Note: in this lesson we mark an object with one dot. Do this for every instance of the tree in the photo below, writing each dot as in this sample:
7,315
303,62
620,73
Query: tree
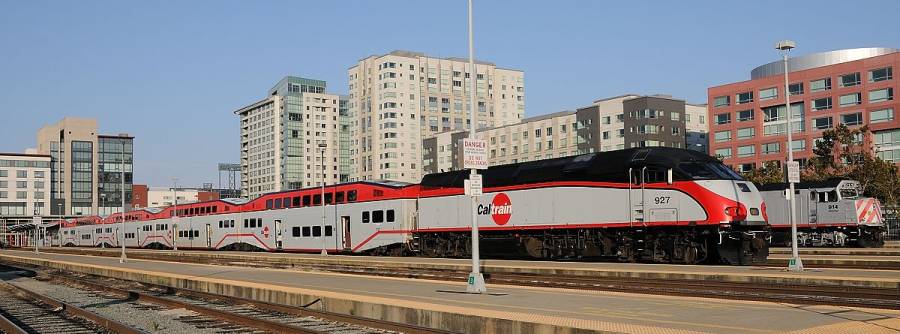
843,152
770,172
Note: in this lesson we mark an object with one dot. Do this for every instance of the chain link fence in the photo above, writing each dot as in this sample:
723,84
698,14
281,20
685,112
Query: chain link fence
892,222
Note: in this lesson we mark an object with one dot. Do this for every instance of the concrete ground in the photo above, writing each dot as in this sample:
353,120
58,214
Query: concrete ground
600,311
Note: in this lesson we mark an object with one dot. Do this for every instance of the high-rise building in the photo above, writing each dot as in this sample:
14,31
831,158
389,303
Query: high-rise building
285,136
400,98
854,87
87,168
608,124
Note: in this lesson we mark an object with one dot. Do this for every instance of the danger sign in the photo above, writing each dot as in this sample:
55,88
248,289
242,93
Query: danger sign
474,153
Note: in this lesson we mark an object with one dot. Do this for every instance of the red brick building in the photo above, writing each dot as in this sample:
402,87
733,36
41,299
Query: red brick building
140,196
853,87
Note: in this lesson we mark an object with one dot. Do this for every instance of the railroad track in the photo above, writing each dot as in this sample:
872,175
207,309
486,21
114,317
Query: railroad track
799,294
230,314
25,311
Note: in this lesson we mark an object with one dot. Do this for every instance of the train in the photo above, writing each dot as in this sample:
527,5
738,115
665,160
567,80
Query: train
829,213
653,204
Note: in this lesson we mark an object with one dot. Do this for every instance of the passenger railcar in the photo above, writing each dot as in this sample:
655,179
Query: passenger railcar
828,213
643,204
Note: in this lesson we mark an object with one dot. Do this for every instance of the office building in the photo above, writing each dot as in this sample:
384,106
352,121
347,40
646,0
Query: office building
285,135
608,124
400,98
86,167
854,87
24,185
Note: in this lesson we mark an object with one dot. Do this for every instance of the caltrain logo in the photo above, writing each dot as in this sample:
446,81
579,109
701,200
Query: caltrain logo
500,209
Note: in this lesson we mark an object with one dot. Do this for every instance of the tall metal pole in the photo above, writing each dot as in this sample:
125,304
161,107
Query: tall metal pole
123,258
322,147
175,212
795,264
476,279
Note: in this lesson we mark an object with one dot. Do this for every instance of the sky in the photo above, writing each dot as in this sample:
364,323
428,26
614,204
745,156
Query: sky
171,73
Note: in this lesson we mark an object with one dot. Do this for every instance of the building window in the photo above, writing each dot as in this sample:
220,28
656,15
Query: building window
822,123
725,153
849,80
798,145
721,101
852,119
745,115
881,74
768,94
746,151
21,174
721,136
746,133
880,95
770,148
675,116
850,99
821,104
723,118
745,97
820,85
796,89
881,115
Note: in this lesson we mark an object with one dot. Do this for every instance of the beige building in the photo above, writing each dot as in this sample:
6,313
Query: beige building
608,124
24,185
400,98
87,168
281,137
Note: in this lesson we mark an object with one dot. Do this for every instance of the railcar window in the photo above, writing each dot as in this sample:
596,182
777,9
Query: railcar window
278,203
296,202
317,231
328,198
832,196
390,216
268,204
351,196
246,223
377,193
339,197
317,199
306,200
101,230
108,230
215,209
378,216
306,231
365,217
329,231
287,202
295,231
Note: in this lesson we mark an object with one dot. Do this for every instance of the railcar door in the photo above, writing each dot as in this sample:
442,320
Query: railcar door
279,237
208,236
345,222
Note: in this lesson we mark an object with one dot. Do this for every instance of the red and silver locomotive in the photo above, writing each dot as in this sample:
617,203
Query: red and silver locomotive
643,204
828,213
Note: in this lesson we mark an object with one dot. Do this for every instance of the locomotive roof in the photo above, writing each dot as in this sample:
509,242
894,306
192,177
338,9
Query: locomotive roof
607,166
828,183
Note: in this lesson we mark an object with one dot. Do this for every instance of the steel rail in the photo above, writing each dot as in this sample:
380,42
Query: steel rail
75,311
7,326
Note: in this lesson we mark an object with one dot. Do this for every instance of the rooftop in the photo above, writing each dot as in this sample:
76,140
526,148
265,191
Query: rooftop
818,60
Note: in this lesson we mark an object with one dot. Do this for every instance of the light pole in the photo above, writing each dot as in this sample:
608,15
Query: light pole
175,212
123,258
102,205
322,147
36,221
476,279
794,264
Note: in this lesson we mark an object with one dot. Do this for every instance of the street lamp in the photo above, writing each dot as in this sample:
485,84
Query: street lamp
795,264
476,279
102,206
123,258
175,213
322,147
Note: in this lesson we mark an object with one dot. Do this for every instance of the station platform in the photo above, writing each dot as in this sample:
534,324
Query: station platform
506,309
882,279
886,251
885,262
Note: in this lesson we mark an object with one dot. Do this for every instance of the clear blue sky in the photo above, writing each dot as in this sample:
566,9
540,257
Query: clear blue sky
172,72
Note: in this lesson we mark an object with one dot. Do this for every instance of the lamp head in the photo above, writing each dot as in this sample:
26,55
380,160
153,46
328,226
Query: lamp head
785,45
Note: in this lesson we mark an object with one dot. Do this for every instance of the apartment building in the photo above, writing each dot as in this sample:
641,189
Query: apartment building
24,185
87,168
400,98
608,124
288,137
854,87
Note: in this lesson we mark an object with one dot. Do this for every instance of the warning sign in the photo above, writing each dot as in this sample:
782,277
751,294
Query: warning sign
474,153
